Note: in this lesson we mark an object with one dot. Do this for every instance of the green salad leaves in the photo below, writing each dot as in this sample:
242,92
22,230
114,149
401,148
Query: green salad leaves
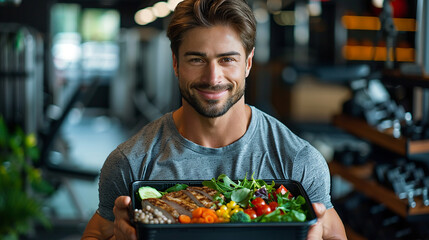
290,209
240,192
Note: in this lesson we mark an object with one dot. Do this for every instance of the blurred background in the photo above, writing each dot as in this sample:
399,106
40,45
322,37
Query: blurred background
78,77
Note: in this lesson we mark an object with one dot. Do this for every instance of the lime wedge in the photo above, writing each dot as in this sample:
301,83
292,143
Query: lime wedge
149,192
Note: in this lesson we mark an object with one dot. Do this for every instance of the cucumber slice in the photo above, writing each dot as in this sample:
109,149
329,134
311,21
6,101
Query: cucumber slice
149,192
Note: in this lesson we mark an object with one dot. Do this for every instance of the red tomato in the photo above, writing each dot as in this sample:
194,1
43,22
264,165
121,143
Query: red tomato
273,205
264,209
251,213
281,190
257,202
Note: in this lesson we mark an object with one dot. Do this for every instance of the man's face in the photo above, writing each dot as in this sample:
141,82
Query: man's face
212,66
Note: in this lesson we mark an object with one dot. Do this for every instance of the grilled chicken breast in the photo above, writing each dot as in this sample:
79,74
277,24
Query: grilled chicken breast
167,210
182,199
200,198
210,193
174,204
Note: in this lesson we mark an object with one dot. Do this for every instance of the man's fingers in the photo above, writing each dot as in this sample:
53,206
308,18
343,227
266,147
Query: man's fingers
130,231
121,206
124,231
122,201
315,232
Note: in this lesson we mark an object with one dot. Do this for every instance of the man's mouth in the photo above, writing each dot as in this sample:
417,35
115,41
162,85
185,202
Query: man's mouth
212,95
212,92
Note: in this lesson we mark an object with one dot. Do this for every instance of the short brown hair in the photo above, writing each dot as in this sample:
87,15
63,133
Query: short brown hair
206,13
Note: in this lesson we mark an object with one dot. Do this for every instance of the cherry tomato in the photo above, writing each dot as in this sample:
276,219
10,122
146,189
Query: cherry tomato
264,209
273,205
281,190
251,213
257,202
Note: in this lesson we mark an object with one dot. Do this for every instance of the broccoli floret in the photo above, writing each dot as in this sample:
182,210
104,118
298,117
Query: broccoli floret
240,217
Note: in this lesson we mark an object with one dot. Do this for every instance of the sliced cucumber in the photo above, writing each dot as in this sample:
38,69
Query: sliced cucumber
149,192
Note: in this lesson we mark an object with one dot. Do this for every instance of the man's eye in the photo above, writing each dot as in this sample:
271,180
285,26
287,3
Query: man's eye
227,59
196,60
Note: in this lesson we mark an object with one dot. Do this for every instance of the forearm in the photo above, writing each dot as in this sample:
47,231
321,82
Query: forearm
333,227
98,228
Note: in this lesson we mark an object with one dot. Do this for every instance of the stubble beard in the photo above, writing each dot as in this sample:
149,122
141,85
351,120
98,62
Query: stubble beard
211,108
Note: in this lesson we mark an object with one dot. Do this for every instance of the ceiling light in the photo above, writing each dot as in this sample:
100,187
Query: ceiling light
377,3
173,3
161,9
144,16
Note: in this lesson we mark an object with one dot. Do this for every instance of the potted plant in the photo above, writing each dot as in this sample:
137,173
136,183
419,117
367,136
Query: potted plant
21,184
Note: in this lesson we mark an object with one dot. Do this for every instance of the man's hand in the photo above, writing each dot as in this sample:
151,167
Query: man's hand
122,228
316,230
328,225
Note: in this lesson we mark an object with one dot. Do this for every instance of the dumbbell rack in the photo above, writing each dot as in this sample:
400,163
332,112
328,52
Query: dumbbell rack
361,179
361,176
402,145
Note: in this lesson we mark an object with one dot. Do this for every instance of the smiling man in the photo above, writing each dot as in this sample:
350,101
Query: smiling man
211,77
214,131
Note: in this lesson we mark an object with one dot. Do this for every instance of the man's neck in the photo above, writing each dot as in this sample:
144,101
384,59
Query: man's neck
213,132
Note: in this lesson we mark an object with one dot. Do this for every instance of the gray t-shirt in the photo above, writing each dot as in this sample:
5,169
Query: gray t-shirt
268,149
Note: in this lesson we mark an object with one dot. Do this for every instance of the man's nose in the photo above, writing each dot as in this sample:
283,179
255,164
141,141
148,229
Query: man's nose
213,73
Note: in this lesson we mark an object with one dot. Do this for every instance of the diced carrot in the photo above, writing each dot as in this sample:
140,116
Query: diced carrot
184,219
200,220
198,212
204,215
209,212
209,219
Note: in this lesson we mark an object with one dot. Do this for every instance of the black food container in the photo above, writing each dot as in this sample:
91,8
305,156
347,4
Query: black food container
221,231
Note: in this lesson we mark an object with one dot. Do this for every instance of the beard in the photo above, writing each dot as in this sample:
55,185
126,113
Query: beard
211,108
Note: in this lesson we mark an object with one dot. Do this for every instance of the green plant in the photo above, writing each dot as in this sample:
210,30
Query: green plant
21,184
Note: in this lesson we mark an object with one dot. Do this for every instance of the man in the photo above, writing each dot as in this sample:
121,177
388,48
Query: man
214,131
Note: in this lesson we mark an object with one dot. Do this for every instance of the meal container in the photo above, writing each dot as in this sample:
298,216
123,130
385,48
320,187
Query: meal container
220,231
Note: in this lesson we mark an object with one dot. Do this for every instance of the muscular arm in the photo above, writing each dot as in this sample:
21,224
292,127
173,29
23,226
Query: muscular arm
101,228
98,228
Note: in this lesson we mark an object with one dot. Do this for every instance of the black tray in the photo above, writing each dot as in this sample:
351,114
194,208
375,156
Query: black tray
221,231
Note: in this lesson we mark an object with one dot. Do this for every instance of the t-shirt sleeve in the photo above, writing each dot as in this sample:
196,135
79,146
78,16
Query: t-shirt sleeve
115,176
310,168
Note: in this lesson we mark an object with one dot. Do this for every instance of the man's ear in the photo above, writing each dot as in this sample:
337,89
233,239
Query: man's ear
249,62
175,65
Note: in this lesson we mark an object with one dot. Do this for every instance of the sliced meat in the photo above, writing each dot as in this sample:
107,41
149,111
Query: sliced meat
167,210
181,210
174,204
200,190
209,192
182,199
200,198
